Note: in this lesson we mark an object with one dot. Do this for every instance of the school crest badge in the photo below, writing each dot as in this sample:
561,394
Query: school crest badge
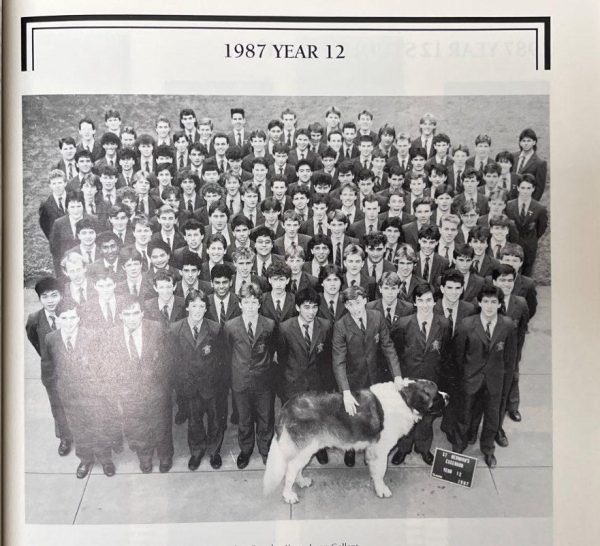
206,350
376,338
500,346
436,345
320,348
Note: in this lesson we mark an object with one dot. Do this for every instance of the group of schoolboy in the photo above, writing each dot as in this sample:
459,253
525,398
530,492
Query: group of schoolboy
194,262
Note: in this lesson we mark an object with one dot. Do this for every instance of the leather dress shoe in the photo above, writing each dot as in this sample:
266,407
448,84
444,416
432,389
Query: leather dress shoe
501,438
515,416
64,448
194,462
349,458
109,469
181,417
398,458
146,466
322,456
165,466
83,470
490,460
264,459
216,461
427,458
243,460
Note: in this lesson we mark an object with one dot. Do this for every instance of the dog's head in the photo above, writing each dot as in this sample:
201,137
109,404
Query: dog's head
422,396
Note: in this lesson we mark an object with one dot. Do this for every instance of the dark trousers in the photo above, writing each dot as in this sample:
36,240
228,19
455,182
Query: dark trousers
203,439
222,399
474,405
514,398
61,426
420,437
255,411
87,454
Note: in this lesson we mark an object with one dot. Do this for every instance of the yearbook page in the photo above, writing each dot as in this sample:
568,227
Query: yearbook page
300,275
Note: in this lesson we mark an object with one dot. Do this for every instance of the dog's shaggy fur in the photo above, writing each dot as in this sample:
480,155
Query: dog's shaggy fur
311,421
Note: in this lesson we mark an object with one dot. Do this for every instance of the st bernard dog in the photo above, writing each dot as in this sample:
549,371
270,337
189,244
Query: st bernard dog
312,421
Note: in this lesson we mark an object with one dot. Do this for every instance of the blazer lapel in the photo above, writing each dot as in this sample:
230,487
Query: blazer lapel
188,334
481,332
259,329
435,326
497,332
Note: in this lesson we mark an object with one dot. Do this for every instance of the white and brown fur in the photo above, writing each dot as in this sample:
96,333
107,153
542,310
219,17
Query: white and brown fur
313,421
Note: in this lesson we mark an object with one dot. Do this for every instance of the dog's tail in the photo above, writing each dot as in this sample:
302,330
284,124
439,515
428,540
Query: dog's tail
276,464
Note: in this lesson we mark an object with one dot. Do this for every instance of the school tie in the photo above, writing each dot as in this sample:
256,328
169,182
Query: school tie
390,255
133,353
294,286
222,315
361,323
306,337
488,332
450,317
60,205
497,255
338,255
108,197
388,315
89,255
230,204
521,162
145,264
238,140
92,209
445,251
180,162
403,288
458,179
403,164
165,312
331,308
168,241
250,332
70,345
82,297
106,312
426,269
278,307
71,173
320,228
190,206
288,139
53,322
374,271
370,228
424,329
347,153
147,168
196,331
523,212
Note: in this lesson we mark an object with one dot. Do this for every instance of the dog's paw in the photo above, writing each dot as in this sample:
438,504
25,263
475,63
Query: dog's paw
290,498
303,481
383,491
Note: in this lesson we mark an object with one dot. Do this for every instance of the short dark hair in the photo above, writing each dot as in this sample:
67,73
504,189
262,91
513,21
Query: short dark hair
421,289
47,284
221,270
279,269
307,295
194,295
503,269
452,275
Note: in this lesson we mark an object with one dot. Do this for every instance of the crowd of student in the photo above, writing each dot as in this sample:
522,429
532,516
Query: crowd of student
270,263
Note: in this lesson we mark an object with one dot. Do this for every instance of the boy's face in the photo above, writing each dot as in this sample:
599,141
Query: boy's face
243,267
320,253
515,261
460,158
271,216
441,148
478,246
86,130
491,180
315,137
68,152
187,186
505,165
278,283
221,286
396,182
238,121
375,253
418,163
527,144
189,273
263,246
506,283
196,310
304,173
389,292
319,211
205,131
280,158
353,263
356,307
218,220
145,150
220,145
142,234
108,182
448,232
345,177
387,139
452,291
497,207
302,142
417,185
142,186
215,252
275,133
366,148
133,268
110,148
110,251
427,127
105,288
366,186
402,145
425,303
129,203
307,311
181,145
57,185
470,184
241,234
126,163
337,227
113,123
499,233
211,177
132,317
278,188
87,236
371,210
489,307
75,272
127,140
68,321
250,199
428,246
328,163
323,189
167,221
159,258
378,164
364,122
349,135
392,234
482,149
332,285
84,165
172,200
405,267
164,177
423,214
291,227
335,141
164,289
289,122
300,201
163,129
49,300
258,144
463,264
196,158
525,190
332,120
444,202
295,263
250,305
89,192
188,122
259,172
193,238
75,209
437,178
469,219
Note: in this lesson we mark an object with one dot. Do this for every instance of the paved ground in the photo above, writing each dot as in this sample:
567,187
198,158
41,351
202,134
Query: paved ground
521,485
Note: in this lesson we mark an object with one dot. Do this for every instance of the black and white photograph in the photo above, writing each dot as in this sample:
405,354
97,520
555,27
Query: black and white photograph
265,308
